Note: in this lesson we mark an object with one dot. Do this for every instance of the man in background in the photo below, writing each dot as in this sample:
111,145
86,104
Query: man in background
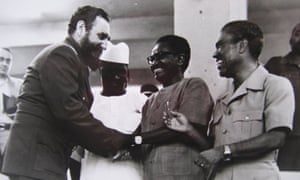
9,89
289,67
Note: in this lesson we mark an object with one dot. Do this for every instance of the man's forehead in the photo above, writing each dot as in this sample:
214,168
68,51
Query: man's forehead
101,24
225,36
161,47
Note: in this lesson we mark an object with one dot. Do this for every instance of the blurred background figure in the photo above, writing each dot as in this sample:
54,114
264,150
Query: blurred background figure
289,67
148,89
9,88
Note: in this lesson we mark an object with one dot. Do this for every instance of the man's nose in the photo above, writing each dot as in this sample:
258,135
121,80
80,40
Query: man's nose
216,55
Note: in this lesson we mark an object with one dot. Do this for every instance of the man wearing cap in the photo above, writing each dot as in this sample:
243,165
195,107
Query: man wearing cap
116,108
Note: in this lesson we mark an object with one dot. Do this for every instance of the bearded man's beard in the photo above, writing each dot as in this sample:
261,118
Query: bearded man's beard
91,53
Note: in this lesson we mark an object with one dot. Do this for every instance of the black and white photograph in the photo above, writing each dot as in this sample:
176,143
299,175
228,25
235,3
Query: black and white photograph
150,90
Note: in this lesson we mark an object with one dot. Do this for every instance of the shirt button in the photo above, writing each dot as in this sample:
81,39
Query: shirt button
83,98
224,131
247,117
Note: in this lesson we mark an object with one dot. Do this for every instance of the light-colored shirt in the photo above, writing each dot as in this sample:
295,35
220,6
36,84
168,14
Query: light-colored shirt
261,103
123,114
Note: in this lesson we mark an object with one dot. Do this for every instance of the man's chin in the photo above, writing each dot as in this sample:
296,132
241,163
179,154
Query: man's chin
224,75
160,79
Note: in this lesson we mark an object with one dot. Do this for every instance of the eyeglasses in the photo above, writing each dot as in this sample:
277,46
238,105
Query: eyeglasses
153,59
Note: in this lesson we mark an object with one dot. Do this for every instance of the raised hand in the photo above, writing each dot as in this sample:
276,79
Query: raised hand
177,121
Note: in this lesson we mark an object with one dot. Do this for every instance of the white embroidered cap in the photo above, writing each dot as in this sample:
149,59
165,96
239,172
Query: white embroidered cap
116,53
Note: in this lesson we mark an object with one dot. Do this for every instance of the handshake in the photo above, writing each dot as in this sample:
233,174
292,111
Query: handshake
132,152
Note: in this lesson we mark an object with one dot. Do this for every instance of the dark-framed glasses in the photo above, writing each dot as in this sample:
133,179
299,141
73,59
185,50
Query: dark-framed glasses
153,59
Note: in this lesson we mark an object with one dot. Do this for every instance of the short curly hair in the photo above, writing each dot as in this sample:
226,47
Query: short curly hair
88,14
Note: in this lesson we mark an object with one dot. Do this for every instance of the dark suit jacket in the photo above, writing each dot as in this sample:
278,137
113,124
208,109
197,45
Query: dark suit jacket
53,115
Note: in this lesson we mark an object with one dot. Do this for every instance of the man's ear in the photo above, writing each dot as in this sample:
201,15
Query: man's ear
243,45
80,28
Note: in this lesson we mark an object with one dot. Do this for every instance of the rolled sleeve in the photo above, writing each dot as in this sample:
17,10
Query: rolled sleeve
280,104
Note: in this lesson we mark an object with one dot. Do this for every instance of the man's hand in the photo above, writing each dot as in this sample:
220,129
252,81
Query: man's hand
214,155
208,160
122,155
177,121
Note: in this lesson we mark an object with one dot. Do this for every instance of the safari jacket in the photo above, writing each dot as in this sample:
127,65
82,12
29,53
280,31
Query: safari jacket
262,102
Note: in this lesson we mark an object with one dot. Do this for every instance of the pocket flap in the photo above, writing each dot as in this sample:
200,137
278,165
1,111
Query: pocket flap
247,115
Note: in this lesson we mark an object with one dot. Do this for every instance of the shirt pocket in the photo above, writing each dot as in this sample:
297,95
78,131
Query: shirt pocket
248,124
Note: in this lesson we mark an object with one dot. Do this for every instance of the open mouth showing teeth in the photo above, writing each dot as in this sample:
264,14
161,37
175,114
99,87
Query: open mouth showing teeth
157,70
219,63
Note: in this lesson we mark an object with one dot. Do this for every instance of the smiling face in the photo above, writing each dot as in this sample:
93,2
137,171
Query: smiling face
114,78
164,63
226,55
95,41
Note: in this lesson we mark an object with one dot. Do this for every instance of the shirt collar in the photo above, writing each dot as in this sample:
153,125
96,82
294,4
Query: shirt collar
254,82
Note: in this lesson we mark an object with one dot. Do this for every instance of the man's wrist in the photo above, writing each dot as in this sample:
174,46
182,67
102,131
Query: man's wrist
138,140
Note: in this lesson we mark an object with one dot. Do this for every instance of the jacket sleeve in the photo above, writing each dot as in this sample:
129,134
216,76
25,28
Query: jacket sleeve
60,80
